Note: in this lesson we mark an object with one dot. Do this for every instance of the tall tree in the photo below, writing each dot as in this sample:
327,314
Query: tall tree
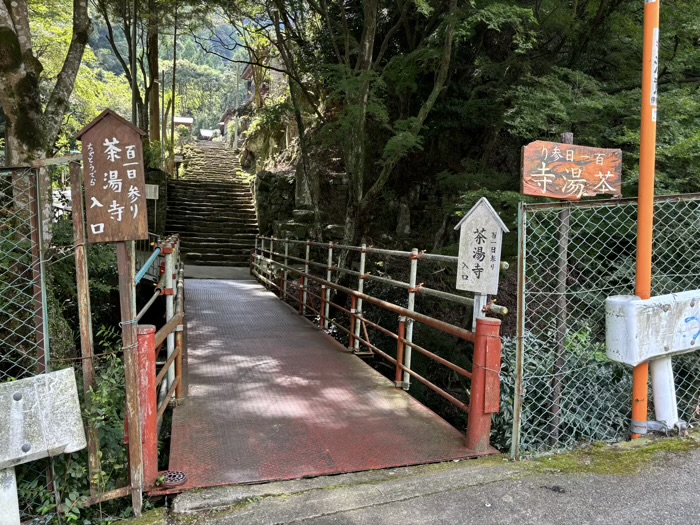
31,127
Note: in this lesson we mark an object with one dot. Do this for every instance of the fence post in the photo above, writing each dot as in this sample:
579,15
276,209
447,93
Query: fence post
85,319
353,320
360,289
39,295
169,293
485,383
413,276
147,402
400,349
520,333
306,271
285,275
322,311
181,388
302,280
329,277
254,254
271,267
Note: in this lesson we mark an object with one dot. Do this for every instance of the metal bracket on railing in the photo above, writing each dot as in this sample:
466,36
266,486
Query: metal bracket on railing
493,308
179,328
416,289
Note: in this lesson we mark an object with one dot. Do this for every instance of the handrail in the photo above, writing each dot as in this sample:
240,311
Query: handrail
400,367
170,375
420,289
147,265
399,310
484,376
168,328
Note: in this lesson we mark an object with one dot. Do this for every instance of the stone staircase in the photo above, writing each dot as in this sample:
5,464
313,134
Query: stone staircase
212,208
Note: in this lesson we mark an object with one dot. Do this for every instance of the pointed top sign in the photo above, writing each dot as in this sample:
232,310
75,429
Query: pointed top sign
478,262
109,113
115,193
487,205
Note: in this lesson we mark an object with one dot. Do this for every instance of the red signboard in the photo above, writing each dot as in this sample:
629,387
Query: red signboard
565,171
115,192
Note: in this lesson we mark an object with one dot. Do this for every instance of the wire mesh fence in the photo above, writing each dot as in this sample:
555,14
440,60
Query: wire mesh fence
23,312
573,256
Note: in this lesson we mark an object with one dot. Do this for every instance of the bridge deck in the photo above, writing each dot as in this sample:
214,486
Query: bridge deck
271,397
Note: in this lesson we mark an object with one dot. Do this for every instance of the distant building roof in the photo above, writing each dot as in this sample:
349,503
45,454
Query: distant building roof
184,120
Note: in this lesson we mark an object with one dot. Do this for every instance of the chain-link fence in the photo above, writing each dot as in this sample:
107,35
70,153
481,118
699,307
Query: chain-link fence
573,256
23,311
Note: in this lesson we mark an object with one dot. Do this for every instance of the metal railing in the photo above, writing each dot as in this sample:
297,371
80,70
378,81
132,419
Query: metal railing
274,269
147,255
158,387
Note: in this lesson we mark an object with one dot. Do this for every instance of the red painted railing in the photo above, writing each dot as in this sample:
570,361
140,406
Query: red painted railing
157,388
274,269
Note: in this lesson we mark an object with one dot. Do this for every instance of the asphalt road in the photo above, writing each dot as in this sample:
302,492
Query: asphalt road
661,490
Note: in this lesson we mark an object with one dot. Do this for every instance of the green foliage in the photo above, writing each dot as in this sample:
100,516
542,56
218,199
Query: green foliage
519,22
271,118
95,88
587,375
70,471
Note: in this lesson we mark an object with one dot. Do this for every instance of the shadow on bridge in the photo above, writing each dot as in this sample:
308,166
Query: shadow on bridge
271,397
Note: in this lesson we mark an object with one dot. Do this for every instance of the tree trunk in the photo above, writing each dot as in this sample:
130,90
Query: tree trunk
153,70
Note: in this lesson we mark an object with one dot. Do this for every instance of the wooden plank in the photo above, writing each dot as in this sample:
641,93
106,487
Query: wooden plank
130,346
569,172
85,317
37,274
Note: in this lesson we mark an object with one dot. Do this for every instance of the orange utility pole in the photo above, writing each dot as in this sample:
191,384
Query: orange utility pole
645,220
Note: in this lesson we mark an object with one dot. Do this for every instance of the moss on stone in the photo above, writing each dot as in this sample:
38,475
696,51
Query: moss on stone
151,517
621,459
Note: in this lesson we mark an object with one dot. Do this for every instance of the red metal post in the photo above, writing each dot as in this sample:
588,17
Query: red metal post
486,383
148,402
400,349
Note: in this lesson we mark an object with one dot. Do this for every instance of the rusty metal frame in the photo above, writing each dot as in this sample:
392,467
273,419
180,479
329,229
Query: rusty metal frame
403,312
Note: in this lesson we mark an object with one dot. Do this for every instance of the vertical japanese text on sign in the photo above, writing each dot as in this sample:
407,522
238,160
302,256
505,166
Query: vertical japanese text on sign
481,231
115,192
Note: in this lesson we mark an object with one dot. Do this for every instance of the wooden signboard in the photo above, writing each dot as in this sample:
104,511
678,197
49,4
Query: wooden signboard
479,262
568,172
115,191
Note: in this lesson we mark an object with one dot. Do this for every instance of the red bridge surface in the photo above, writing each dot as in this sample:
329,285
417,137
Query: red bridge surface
271,397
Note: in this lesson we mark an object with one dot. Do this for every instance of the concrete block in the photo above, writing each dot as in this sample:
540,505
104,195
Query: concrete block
39,417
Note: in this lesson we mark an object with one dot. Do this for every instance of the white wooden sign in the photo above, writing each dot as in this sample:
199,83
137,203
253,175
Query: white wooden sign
480,235
152,192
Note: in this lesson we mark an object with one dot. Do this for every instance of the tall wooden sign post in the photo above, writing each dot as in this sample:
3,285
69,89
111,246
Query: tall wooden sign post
115,200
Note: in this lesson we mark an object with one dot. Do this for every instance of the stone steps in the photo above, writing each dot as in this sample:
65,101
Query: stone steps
212,208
